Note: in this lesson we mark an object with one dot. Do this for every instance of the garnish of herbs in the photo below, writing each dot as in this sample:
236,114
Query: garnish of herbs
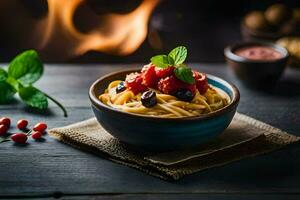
23,71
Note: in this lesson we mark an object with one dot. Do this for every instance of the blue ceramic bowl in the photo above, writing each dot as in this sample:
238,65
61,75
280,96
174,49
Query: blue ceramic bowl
161,134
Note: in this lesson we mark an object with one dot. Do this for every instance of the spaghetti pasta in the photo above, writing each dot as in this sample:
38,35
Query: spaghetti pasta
167,106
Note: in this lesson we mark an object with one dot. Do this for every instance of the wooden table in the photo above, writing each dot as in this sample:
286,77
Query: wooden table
52,169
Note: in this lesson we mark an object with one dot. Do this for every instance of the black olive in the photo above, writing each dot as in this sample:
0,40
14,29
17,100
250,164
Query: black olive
148,99
184,95
121,87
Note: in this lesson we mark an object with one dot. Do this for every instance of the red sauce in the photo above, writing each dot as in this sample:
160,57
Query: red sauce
258,53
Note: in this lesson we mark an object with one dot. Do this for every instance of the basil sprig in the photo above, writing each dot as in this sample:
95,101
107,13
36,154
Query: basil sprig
24,70
175,58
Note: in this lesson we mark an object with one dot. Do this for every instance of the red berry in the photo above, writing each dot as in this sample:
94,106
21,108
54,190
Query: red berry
5,121
3,129
164,72
170,85
19,138
40,127
22,124
149,76
201,82
36,135
134,83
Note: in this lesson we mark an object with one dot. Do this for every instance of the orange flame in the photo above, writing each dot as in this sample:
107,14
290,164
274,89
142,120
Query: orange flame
119,34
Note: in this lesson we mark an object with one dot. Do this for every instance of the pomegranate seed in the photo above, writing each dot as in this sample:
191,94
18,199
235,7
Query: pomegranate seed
22,124
19,138
5,121
36,135
3,129
40,127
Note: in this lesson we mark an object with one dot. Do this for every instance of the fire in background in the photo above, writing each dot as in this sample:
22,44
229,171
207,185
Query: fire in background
57,36
122,30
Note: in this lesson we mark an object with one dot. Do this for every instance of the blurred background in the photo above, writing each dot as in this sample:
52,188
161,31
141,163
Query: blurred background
115,31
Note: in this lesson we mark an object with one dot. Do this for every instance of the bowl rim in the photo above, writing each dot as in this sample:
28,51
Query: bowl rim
229,52
97,103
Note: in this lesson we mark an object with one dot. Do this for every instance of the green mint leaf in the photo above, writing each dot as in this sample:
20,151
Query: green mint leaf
185,74
171,61
160,61
26,67
178,54
33,97
14,83
6,92
3,75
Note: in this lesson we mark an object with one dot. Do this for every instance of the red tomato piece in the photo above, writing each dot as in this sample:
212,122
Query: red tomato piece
149,76
201,82
134,82
171,84
164,72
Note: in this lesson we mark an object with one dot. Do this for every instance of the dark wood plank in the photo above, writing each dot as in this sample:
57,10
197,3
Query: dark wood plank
52,168
187,197
174,196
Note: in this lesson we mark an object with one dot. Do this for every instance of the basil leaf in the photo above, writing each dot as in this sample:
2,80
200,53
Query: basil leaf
3,75
160,61
178,54
6,92
33,97
185,74
26,67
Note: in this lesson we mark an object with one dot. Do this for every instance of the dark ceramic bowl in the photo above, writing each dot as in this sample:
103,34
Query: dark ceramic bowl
160,134
256,73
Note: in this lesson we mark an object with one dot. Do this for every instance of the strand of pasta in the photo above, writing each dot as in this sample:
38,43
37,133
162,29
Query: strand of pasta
187,105
164,107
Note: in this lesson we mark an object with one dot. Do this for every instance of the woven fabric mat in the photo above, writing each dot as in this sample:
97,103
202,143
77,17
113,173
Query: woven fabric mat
244,137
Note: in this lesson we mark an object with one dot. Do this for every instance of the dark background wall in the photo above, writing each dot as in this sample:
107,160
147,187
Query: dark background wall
205,27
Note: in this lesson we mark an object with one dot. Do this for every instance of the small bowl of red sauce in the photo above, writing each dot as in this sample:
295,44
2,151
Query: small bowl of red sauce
257,64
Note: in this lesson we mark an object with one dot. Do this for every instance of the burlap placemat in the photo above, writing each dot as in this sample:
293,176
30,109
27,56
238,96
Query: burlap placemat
244,137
